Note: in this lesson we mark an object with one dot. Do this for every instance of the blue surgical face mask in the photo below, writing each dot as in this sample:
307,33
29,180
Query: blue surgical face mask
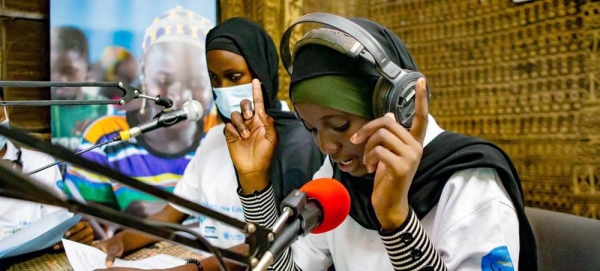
3,139
229,98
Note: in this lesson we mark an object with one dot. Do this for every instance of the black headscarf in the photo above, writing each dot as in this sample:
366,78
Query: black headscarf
315,60
257,47
445,155
296,157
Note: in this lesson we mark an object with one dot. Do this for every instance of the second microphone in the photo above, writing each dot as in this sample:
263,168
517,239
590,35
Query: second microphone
192,111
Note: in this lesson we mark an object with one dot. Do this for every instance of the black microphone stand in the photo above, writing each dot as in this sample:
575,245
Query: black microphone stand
297,219
129,93
257,237
13,184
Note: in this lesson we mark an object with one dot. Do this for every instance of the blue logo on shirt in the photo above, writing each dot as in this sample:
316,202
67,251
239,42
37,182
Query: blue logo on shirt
497,260
210,232
233,236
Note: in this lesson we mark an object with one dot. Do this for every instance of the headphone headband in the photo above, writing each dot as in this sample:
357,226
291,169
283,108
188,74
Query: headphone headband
383,63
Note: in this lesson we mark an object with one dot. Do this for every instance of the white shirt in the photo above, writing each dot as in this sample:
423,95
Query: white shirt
209,180
17,214
473,217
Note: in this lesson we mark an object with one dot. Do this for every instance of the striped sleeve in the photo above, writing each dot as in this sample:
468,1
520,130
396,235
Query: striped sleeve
260,208
409,248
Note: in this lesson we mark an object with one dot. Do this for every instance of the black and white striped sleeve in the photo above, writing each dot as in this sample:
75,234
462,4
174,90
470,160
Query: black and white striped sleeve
260,208
409,248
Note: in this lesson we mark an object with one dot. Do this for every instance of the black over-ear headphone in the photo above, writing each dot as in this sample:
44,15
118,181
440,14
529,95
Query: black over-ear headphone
395,89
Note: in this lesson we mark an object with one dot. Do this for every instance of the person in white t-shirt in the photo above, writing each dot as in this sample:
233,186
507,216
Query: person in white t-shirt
421,198
18,214
237,51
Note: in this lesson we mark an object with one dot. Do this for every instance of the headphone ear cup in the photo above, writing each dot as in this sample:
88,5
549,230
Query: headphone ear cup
399,97
380,94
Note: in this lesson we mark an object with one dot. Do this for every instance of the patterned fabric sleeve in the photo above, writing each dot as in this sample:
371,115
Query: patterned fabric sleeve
409,248
260,208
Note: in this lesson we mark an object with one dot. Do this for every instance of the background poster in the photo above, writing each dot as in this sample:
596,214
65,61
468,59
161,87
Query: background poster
111,33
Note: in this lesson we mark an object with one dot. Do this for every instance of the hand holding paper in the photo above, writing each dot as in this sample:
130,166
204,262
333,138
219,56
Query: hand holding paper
87,258
82,232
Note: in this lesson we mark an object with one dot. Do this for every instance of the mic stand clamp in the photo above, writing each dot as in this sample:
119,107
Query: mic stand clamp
164,102
291,207
293,222
294,206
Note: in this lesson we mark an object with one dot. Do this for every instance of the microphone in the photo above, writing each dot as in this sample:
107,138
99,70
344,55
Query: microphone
317,207
192,111
332,202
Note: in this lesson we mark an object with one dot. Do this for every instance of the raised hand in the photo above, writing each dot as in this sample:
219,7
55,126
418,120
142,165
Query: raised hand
394,154
251,140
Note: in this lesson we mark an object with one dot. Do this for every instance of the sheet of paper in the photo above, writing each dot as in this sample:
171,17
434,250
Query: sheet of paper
41,234
87,258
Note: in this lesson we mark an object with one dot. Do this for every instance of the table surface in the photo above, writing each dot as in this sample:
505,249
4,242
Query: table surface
59,261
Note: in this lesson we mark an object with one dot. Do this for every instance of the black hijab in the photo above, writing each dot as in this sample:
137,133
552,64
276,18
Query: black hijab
315,60
296,157
445,155
257,47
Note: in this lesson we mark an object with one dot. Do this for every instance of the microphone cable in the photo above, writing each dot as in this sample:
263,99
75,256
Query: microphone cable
77,153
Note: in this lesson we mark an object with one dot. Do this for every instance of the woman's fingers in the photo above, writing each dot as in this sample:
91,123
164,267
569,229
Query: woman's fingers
238,122
257,96
419,121
83,236
246,107
243,121
388,122
385,139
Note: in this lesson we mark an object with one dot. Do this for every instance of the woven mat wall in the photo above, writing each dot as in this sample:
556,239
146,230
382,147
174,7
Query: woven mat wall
521,75
60,262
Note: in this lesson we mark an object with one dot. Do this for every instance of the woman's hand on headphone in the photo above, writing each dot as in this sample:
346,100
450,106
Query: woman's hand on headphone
251,140
394,154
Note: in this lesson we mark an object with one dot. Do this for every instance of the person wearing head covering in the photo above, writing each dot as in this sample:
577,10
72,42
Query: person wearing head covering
421,198
173,66
238,50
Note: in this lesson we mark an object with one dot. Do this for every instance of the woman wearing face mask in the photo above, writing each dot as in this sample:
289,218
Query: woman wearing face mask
238,50
421,198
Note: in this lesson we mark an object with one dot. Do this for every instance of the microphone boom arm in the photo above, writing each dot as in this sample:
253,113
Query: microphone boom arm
257,237
129,93
14,183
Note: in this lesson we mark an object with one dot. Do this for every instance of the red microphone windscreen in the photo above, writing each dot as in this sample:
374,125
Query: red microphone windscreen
333,198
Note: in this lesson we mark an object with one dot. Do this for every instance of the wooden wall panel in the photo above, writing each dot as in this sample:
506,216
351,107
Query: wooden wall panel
519,76
25,56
